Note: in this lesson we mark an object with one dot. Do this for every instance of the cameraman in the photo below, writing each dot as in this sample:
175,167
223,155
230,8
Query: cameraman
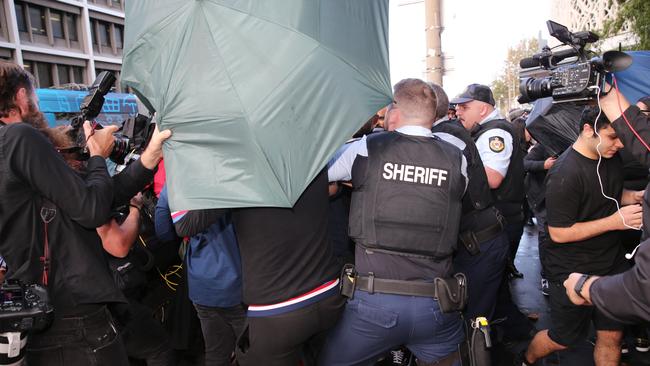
626,296
47,220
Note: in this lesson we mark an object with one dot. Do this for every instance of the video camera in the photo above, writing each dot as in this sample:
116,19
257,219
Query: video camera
24,307
135,132
578,81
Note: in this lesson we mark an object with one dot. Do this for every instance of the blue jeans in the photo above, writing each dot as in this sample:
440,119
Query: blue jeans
484,273
372,324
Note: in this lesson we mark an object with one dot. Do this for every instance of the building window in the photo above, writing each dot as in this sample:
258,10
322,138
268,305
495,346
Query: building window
71,21
108,38
104,33
117,4
37,20
5,54
20,17
3,24
52,26
119,36
54,74
44,72
64,74
56,19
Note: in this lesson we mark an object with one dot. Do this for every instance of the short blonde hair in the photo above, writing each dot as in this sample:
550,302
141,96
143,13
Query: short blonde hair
416,100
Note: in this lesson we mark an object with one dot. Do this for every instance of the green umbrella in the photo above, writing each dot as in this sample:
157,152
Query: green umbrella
258,93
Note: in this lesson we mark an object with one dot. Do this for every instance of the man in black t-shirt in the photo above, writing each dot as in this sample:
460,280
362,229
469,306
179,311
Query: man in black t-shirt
584,228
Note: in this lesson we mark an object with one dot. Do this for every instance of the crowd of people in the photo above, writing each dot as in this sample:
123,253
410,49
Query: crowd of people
400,246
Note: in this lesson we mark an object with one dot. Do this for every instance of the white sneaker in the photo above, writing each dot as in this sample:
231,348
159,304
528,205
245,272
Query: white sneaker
544,287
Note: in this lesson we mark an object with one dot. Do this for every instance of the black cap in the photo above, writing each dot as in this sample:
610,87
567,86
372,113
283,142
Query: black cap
479,92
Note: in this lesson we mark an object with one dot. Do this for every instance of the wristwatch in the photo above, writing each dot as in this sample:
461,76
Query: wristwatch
580,284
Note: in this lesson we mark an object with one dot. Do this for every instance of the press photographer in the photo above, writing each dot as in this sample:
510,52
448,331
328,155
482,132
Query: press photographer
48,216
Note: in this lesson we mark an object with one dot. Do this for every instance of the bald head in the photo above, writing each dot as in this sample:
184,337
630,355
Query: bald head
415,102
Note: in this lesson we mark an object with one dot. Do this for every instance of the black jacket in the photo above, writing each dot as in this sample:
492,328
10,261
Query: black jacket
626,296
284,251
36,183
535,175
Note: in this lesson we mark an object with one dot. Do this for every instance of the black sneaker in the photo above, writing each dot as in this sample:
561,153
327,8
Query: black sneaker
513,272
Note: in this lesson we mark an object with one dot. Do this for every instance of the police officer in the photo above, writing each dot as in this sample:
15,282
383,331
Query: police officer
404,219
483,243
503,161
501,155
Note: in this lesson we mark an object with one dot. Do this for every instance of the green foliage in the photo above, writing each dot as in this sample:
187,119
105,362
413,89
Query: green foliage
506,87
637,14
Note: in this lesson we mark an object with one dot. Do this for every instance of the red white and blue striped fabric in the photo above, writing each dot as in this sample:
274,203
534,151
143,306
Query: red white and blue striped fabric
177,215
321,292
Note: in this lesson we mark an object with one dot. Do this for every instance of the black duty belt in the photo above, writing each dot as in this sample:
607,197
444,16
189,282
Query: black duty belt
409,288
480,236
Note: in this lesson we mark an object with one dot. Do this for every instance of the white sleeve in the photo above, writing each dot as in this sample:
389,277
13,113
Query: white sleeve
339,167
459,144
495,148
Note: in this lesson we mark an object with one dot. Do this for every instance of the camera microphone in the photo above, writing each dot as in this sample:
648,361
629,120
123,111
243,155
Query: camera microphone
529,62
546,59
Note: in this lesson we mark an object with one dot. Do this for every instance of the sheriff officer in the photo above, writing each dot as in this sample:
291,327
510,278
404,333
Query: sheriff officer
404,219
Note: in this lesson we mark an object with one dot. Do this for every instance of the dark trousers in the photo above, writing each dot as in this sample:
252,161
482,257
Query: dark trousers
145,338
514,230
484,273
279,340
515,323
221,327
91,340
542,236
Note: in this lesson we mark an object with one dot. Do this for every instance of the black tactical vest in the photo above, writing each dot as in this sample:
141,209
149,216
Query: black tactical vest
509,197
478,195
407,195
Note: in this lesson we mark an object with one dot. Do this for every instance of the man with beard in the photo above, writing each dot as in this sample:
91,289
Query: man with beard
48,214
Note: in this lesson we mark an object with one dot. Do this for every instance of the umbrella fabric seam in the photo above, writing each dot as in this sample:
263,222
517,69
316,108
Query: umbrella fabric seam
320,45
241,104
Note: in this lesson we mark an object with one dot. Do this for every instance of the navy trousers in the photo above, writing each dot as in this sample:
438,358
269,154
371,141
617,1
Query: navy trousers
484,273
372,324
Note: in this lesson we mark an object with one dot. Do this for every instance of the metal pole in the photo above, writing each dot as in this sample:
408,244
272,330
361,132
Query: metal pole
433,30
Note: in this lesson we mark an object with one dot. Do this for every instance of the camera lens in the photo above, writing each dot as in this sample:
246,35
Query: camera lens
120,149
532,89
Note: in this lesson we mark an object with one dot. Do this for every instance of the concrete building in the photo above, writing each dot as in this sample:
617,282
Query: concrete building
589,15
63,41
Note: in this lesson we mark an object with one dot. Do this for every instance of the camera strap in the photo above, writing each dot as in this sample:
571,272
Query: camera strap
47,215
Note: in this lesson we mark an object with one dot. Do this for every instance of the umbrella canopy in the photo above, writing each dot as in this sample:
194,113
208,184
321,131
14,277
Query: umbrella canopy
555,126
258,93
